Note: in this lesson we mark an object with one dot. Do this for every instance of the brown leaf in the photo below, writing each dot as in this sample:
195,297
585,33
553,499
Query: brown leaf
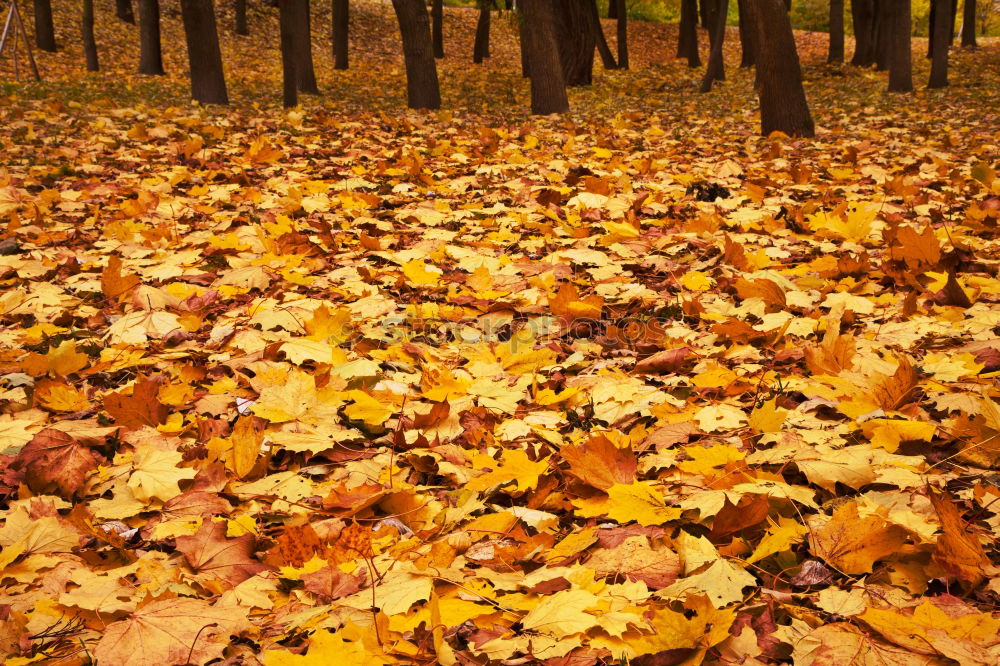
635,559
958,550
113,283
892,393
330,583
853,544
662,363
600,463
732,518
813,572
210,552
142,408
54,462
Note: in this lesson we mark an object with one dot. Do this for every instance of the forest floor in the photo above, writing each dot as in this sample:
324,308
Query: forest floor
354,382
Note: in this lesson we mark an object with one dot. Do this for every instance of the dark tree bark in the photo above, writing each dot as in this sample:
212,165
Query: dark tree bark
287,25
422,90
783,106
705,13
884,31
481,47
305,74
607,58
341,23
863,18
123,10
953,13
716,69
746,35
87,34
931,27
622,33
437,28
687,43
524,40
242,27
548,87
901,58
150,51
577,42
836,52
939,58
612,9
45,33
208,81
969,24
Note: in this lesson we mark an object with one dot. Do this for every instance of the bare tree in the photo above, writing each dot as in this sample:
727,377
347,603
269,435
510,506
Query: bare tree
208,81
900,60
783,106
150,51
339,32
87,35
422,88
45,33
548,87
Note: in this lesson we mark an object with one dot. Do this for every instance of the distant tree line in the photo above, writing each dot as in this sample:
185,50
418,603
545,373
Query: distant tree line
559,40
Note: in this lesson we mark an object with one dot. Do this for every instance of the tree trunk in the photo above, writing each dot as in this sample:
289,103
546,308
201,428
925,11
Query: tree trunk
208,81
305,74
548,87
687,43
150,51
612,9
705,12
422,91
87,34
931,27
288,22
123,10
341,22
716,70
240,10
481,47
863,18
900,61
953,13
45,33
884,30
577,42
746,35
622,33
969,24
783,106
437,20
939,58
836,52
524,40
607,58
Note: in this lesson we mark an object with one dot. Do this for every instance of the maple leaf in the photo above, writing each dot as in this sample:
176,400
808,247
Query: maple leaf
514,465
853,544
627,502
210,552
170,631
600,463
54,461
141,408
958,550
155,472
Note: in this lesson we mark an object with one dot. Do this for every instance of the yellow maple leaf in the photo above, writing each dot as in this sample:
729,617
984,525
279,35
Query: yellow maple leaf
417,273
637,501
782,535
155,473
514,466
367,409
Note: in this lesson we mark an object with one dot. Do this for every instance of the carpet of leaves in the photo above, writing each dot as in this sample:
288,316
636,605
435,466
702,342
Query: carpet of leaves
467,387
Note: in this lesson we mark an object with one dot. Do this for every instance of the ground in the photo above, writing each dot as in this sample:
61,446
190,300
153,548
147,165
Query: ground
629,384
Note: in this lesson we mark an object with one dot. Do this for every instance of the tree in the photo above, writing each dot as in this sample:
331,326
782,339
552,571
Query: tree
242,27
836,52
287,24
339,32
863,18
622,33
208,81
939,51
577,41
900,60
45,33
705,11
884,26
481,46
969,24
783,106
548,87
746,35
305,75
123,10
422,89
87,34
687,42
437,27
607,58
716,69
150,52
